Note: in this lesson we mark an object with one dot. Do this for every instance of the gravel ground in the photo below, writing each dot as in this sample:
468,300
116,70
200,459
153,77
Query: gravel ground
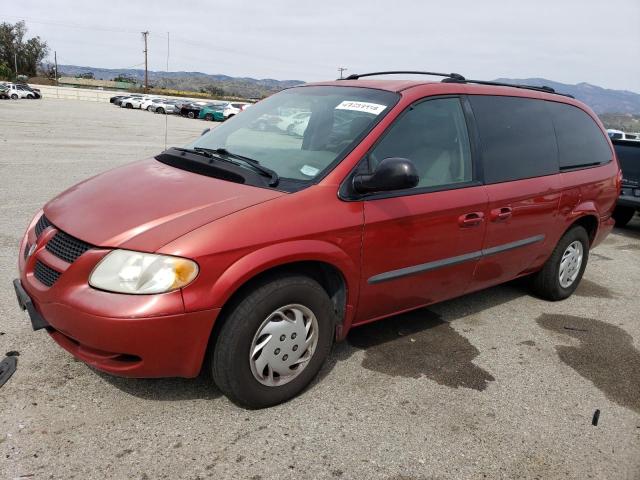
497,384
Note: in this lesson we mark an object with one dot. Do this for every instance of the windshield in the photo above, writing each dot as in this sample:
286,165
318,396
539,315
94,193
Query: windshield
302,132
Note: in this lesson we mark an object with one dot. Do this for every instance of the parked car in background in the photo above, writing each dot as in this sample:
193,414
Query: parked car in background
4,92
628,153
192,110
164,107
16,91
133,101
147,102
620,135
234,108
212,112
248,255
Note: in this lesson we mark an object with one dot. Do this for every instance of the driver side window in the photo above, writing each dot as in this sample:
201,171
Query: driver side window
433,135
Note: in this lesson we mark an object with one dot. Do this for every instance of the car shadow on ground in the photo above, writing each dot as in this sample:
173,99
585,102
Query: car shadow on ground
165,389
423,342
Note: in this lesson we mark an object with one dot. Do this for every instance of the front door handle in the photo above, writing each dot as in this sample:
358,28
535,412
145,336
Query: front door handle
472,219
501,214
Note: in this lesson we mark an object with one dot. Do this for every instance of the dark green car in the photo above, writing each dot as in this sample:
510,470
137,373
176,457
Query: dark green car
212,112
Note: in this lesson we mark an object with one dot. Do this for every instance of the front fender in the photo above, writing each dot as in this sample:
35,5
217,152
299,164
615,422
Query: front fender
266,258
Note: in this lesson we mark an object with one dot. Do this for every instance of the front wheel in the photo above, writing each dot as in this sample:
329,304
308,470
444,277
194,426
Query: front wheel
562,272
14,96
273,341
160,110
208,117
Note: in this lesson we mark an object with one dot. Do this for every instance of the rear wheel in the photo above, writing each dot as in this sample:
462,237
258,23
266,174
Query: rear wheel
14,96
160,110
562,272
273,341
623,215
128,105
208,117
191,115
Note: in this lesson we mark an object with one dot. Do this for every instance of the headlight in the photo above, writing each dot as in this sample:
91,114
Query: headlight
125,271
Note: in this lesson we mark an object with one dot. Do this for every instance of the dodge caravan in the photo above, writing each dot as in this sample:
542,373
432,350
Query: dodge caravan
249,252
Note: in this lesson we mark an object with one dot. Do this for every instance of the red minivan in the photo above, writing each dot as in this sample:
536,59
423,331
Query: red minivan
248,252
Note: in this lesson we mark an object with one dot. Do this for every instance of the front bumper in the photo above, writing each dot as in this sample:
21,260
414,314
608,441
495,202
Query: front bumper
152,346
127,335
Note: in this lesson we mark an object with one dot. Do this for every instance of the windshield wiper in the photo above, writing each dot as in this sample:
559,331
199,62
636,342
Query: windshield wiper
251,162
221,153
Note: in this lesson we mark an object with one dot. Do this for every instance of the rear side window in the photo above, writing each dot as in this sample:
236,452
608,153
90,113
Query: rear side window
517,137
581,143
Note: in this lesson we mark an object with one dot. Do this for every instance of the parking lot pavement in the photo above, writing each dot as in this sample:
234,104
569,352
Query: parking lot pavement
497,384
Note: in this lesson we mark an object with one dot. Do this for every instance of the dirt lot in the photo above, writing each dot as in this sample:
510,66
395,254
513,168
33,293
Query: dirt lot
497,384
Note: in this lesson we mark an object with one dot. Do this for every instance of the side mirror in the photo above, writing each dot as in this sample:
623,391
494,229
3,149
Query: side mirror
205,131
390,174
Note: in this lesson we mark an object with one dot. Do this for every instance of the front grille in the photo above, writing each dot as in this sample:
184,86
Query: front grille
45,275
27,247
66,247
43,223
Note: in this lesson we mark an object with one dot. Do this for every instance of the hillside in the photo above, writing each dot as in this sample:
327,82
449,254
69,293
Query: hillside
601,100
191,81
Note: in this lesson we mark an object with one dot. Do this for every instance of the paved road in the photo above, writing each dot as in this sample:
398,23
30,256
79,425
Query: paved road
497,384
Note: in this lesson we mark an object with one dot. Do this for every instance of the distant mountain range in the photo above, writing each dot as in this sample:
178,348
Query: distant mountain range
192,81
601,100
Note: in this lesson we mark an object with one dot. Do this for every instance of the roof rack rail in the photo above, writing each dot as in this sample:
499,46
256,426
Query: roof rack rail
356,76
456,78
542,88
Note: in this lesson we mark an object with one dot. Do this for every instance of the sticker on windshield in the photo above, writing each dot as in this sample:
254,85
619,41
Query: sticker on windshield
309,171
366,107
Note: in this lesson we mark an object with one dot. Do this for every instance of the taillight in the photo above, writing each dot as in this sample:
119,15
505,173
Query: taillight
619,181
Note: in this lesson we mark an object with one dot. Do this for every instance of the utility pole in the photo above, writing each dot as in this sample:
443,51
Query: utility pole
146,71
341,70
55,68
15,63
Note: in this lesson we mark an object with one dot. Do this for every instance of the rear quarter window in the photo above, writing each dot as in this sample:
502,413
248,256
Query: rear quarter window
581,143
516,136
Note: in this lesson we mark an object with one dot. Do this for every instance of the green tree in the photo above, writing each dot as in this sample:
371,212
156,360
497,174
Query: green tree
5,72
29,53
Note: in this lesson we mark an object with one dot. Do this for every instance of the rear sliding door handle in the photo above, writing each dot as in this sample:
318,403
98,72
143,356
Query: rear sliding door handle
472,219
500,214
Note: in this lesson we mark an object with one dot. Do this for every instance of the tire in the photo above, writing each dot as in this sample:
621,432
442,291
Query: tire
191,115
231,365
623,215
14,96
128,105
208,117
160,110
290,129
30,97
547,283
148,108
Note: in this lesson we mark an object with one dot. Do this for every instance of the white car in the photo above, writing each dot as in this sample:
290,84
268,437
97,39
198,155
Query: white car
146,103
18,91
134,101
234,108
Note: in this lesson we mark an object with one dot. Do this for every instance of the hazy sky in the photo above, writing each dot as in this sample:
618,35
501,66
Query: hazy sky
565,40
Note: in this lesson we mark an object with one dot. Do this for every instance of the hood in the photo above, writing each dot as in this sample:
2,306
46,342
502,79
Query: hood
144,205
